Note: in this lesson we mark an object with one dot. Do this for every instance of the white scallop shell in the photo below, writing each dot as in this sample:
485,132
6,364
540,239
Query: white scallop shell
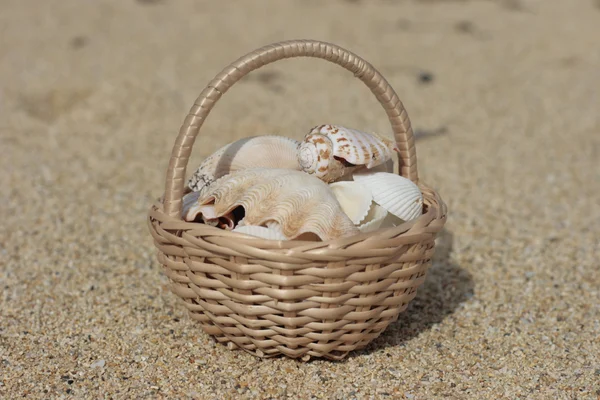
374,219
399,195
267,151
298,202
354,198
262,232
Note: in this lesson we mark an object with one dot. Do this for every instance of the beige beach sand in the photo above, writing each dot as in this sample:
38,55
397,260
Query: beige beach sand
503,94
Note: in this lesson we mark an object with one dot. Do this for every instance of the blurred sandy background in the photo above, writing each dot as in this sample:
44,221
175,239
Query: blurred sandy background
503,96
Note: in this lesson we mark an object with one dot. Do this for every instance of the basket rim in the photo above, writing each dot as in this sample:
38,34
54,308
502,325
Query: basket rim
436,209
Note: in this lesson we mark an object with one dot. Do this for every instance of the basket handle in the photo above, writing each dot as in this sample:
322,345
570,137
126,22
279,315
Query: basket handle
265,55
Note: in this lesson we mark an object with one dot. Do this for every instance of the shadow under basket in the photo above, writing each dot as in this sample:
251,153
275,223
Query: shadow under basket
294,298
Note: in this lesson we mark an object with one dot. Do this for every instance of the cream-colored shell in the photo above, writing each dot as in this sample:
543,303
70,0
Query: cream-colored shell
298,202
398,195
391,221
267,151
354,198
190,210
374,219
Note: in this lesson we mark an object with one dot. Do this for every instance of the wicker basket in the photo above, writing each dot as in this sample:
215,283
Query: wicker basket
299,299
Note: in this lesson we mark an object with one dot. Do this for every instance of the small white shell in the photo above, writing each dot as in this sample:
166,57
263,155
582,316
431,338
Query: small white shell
399,195
391,221
261,232
374,219
300,203
267,151
354,198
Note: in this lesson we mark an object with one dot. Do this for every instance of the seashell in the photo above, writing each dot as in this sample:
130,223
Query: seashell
354,198
267,151
387,166
375,218
298,202
356,147
316,157
391,221
226,221
190,213
397,194
189,201
329,151
345,178
262,232
307,236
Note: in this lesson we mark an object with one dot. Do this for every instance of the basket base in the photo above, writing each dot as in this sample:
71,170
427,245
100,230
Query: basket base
238,338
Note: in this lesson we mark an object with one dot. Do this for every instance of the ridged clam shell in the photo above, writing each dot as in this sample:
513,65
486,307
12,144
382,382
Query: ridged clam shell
374,219
298,202
354,198
267,151
398,195
261,232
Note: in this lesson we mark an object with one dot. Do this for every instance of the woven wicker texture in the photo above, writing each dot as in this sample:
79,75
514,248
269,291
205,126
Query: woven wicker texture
300,299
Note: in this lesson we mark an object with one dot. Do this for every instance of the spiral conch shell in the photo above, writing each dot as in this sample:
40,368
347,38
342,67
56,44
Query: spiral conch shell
299,203
330,151
267,151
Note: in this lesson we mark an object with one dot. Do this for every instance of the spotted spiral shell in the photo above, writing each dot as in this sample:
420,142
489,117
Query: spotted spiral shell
331,151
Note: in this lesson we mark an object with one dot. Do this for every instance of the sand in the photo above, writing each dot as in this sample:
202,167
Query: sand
504,96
